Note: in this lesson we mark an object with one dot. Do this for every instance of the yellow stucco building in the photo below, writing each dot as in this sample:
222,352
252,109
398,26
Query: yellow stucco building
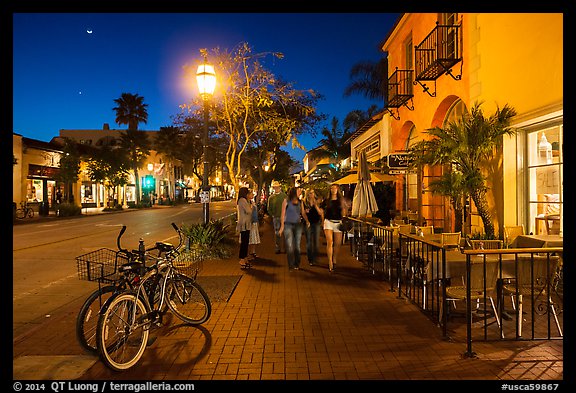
440,65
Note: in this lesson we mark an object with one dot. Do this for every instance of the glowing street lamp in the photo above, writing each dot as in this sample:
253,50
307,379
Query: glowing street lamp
206,78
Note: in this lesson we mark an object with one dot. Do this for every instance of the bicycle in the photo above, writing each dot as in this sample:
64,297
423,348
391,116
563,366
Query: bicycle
118,270
125,321
24,211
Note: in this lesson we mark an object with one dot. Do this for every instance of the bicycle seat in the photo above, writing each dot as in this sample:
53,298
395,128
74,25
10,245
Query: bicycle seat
164,246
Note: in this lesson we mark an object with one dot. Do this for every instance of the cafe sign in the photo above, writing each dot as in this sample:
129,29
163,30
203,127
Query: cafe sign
399,161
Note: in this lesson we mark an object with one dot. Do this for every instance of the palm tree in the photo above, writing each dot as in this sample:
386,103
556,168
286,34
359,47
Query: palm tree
131,110
357,118
332,145
369,79
168,142
136,146
467,145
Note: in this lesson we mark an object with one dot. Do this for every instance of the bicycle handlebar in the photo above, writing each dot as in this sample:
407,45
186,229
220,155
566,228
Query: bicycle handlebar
179,235
120,248
118,239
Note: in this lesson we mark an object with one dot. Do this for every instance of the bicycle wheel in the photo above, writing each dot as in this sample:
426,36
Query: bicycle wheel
188,300
20,214
122,334
29,213
87,319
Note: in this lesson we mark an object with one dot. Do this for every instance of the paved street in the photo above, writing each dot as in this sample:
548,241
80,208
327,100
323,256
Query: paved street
44,249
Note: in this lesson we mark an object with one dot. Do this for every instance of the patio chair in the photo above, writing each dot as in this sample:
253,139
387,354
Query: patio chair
535,281
487,244
399,221
450,239
405,228
482,287
511,232
427,230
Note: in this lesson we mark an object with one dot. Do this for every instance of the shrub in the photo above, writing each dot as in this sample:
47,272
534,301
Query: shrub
67,209
140,205
213,239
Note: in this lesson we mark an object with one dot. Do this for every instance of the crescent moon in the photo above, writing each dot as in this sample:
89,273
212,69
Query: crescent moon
89,31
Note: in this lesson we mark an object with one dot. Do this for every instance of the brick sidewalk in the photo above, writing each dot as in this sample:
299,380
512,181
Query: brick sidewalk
307,325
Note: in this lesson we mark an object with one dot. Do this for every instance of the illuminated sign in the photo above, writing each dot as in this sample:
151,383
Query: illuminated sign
398,160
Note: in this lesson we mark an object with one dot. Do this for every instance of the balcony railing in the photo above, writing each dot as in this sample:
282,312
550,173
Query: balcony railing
400,88
438,53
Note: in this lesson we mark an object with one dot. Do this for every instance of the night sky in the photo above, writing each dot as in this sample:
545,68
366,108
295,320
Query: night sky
69,67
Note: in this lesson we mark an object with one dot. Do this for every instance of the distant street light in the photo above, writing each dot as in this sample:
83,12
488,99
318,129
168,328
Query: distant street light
206,78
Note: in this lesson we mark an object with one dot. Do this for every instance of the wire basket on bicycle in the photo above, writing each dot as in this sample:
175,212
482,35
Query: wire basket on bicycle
101,265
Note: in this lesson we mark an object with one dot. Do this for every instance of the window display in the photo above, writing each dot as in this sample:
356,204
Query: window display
545,180
34,190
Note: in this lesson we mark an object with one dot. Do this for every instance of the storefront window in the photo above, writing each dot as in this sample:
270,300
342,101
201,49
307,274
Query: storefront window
34,190
545,180
87,192
51,192
130,194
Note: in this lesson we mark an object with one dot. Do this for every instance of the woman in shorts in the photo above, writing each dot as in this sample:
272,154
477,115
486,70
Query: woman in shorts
334,209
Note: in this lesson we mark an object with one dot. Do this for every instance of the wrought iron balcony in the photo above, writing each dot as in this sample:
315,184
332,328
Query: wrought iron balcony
438,53
399,91
400,88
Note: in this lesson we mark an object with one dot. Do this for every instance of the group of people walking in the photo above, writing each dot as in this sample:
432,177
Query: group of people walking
292,215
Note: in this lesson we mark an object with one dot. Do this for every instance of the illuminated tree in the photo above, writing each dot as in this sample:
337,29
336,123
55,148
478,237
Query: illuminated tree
252,102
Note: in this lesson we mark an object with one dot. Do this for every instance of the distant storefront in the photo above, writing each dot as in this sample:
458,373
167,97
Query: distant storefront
41,185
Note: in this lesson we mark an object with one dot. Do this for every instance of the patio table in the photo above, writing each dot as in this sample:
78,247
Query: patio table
537,241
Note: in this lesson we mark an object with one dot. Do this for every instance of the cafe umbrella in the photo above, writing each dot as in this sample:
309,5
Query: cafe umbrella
363,203
375,177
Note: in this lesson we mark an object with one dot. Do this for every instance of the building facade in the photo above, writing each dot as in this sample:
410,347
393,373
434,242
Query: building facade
36,164
160,179
440,65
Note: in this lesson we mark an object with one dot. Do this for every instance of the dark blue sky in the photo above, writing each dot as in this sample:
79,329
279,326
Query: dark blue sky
67,78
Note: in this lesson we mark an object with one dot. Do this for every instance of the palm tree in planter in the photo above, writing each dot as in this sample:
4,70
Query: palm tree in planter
467,145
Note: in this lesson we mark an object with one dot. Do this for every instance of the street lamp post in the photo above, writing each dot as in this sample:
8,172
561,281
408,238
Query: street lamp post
206,78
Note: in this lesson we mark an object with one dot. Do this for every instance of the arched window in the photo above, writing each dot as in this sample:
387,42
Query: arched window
455,112
411,135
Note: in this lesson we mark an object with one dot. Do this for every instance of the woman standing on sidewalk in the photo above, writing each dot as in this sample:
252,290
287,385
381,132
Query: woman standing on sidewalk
334,208
314,214
244,224
291,225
